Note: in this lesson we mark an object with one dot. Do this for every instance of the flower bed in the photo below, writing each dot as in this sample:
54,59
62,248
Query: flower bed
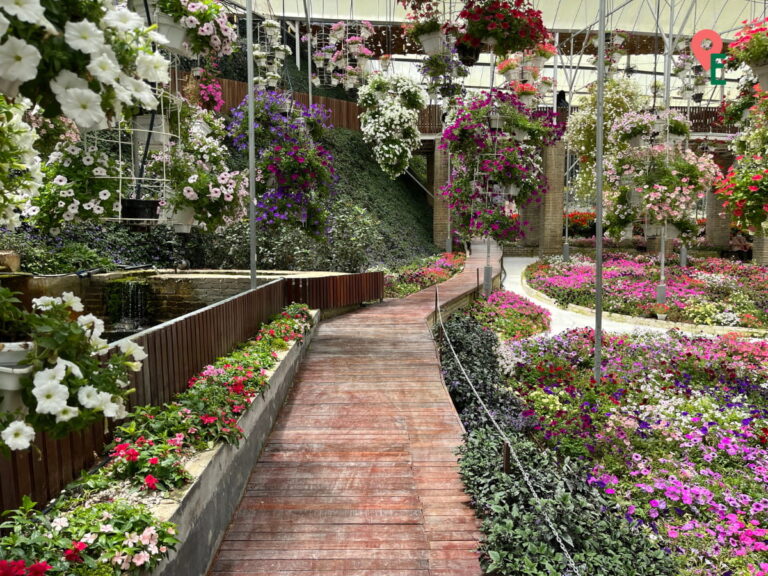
107,522
710,291
675,436
518,540
510,315
422,274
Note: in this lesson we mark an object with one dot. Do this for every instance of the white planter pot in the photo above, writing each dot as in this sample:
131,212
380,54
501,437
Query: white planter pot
495,121
761,71
319,62
180,218
341,63
626,232
10,387
160,131
432,43
526,99
10,87
354,48
537,61
362,62
384,64
12,353
510,74
175,32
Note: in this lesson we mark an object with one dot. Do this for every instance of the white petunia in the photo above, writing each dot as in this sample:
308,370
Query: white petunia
99,345
28,11
158,38
122,20
152,67
66,80
88,397
103,401
84,36
51,398
70,367
49,376
18,60
104,69
45,303
72,301
3,25
115,409
141,92
18,435
67,413
83,106
131,348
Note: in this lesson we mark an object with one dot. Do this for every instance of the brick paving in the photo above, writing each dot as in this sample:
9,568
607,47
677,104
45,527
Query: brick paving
359,475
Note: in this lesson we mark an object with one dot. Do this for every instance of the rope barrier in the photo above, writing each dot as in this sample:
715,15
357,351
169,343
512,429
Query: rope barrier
508,443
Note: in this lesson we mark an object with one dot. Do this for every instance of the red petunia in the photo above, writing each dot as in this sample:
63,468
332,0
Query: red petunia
151,482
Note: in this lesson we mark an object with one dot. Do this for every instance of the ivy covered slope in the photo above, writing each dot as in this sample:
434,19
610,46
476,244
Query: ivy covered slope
400,207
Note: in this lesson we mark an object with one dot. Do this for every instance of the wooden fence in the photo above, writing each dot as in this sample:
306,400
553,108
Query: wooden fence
177,350
335,291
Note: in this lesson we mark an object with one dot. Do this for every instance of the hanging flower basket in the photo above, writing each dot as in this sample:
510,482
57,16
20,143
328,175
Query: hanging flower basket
432,43
160,131
175,32
136,209
362,61
761,72
495,120
319,62
180,218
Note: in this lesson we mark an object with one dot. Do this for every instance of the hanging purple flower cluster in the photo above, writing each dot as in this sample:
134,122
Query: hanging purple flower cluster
295,175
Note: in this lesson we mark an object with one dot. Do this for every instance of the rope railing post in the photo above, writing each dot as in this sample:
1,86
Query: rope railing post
505,458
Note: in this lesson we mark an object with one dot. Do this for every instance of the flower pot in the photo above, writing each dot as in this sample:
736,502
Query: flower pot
354,48
384,64
135,209
280,55
175,32
626,232
12,353
341,63
142,9
526,99
537,61
362,62
661,316
11,374
432,43
272,82
10,87
159,134
180,218
319,62
495,121
761,72
698,97
511,74
10,387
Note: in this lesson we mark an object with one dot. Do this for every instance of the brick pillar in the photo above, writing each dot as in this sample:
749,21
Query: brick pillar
441,217
551,223
718,227
760,249
532,230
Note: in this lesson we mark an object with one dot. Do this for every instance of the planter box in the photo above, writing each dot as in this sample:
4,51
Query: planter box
432,43
221,475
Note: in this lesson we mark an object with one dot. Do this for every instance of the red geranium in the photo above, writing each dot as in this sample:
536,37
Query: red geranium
514,25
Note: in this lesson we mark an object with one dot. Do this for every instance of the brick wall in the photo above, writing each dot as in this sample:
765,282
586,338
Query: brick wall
441,217
718,227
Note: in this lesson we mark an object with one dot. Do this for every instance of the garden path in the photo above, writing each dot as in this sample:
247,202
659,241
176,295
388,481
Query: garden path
359,475
562,319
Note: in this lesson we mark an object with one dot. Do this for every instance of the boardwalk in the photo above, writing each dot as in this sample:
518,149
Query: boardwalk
359,476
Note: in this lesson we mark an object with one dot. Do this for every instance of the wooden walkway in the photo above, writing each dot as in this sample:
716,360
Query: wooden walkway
359,475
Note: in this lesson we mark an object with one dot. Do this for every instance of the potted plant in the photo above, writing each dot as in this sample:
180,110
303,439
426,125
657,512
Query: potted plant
508,67
319,58
273,79
354,43
751,48
271,30
364,56
337,31
281,51
68,385
506,26
428,33
196,27
525,92
384,61
660,310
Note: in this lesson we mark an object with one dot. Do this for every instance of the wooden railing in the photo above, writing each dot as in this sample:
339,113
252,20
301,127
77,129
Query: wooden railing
176,351
335,291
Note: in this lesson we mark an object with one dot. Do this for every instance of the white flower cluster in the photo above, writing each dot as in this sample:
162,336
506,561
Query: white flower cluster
20,173
121,80
390,121
50,387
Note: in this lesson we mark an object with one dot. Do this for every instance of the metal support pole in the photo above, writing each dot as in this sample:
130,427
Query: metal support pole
307,12
251,141
661,289
488,270
297,44
599,185
683,255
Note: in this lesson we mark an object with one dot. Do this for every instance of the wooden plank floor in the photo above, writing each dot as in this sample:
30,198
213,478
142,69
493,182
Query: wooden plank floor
359,475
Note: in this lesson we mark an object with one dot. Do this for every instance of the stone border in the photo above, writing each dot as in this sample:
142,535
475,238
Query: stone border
640,321
204,510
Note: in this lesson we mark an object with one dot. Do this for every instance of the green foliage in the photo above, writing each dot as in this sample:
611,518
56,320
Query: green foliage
519,542
14,320
422,273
